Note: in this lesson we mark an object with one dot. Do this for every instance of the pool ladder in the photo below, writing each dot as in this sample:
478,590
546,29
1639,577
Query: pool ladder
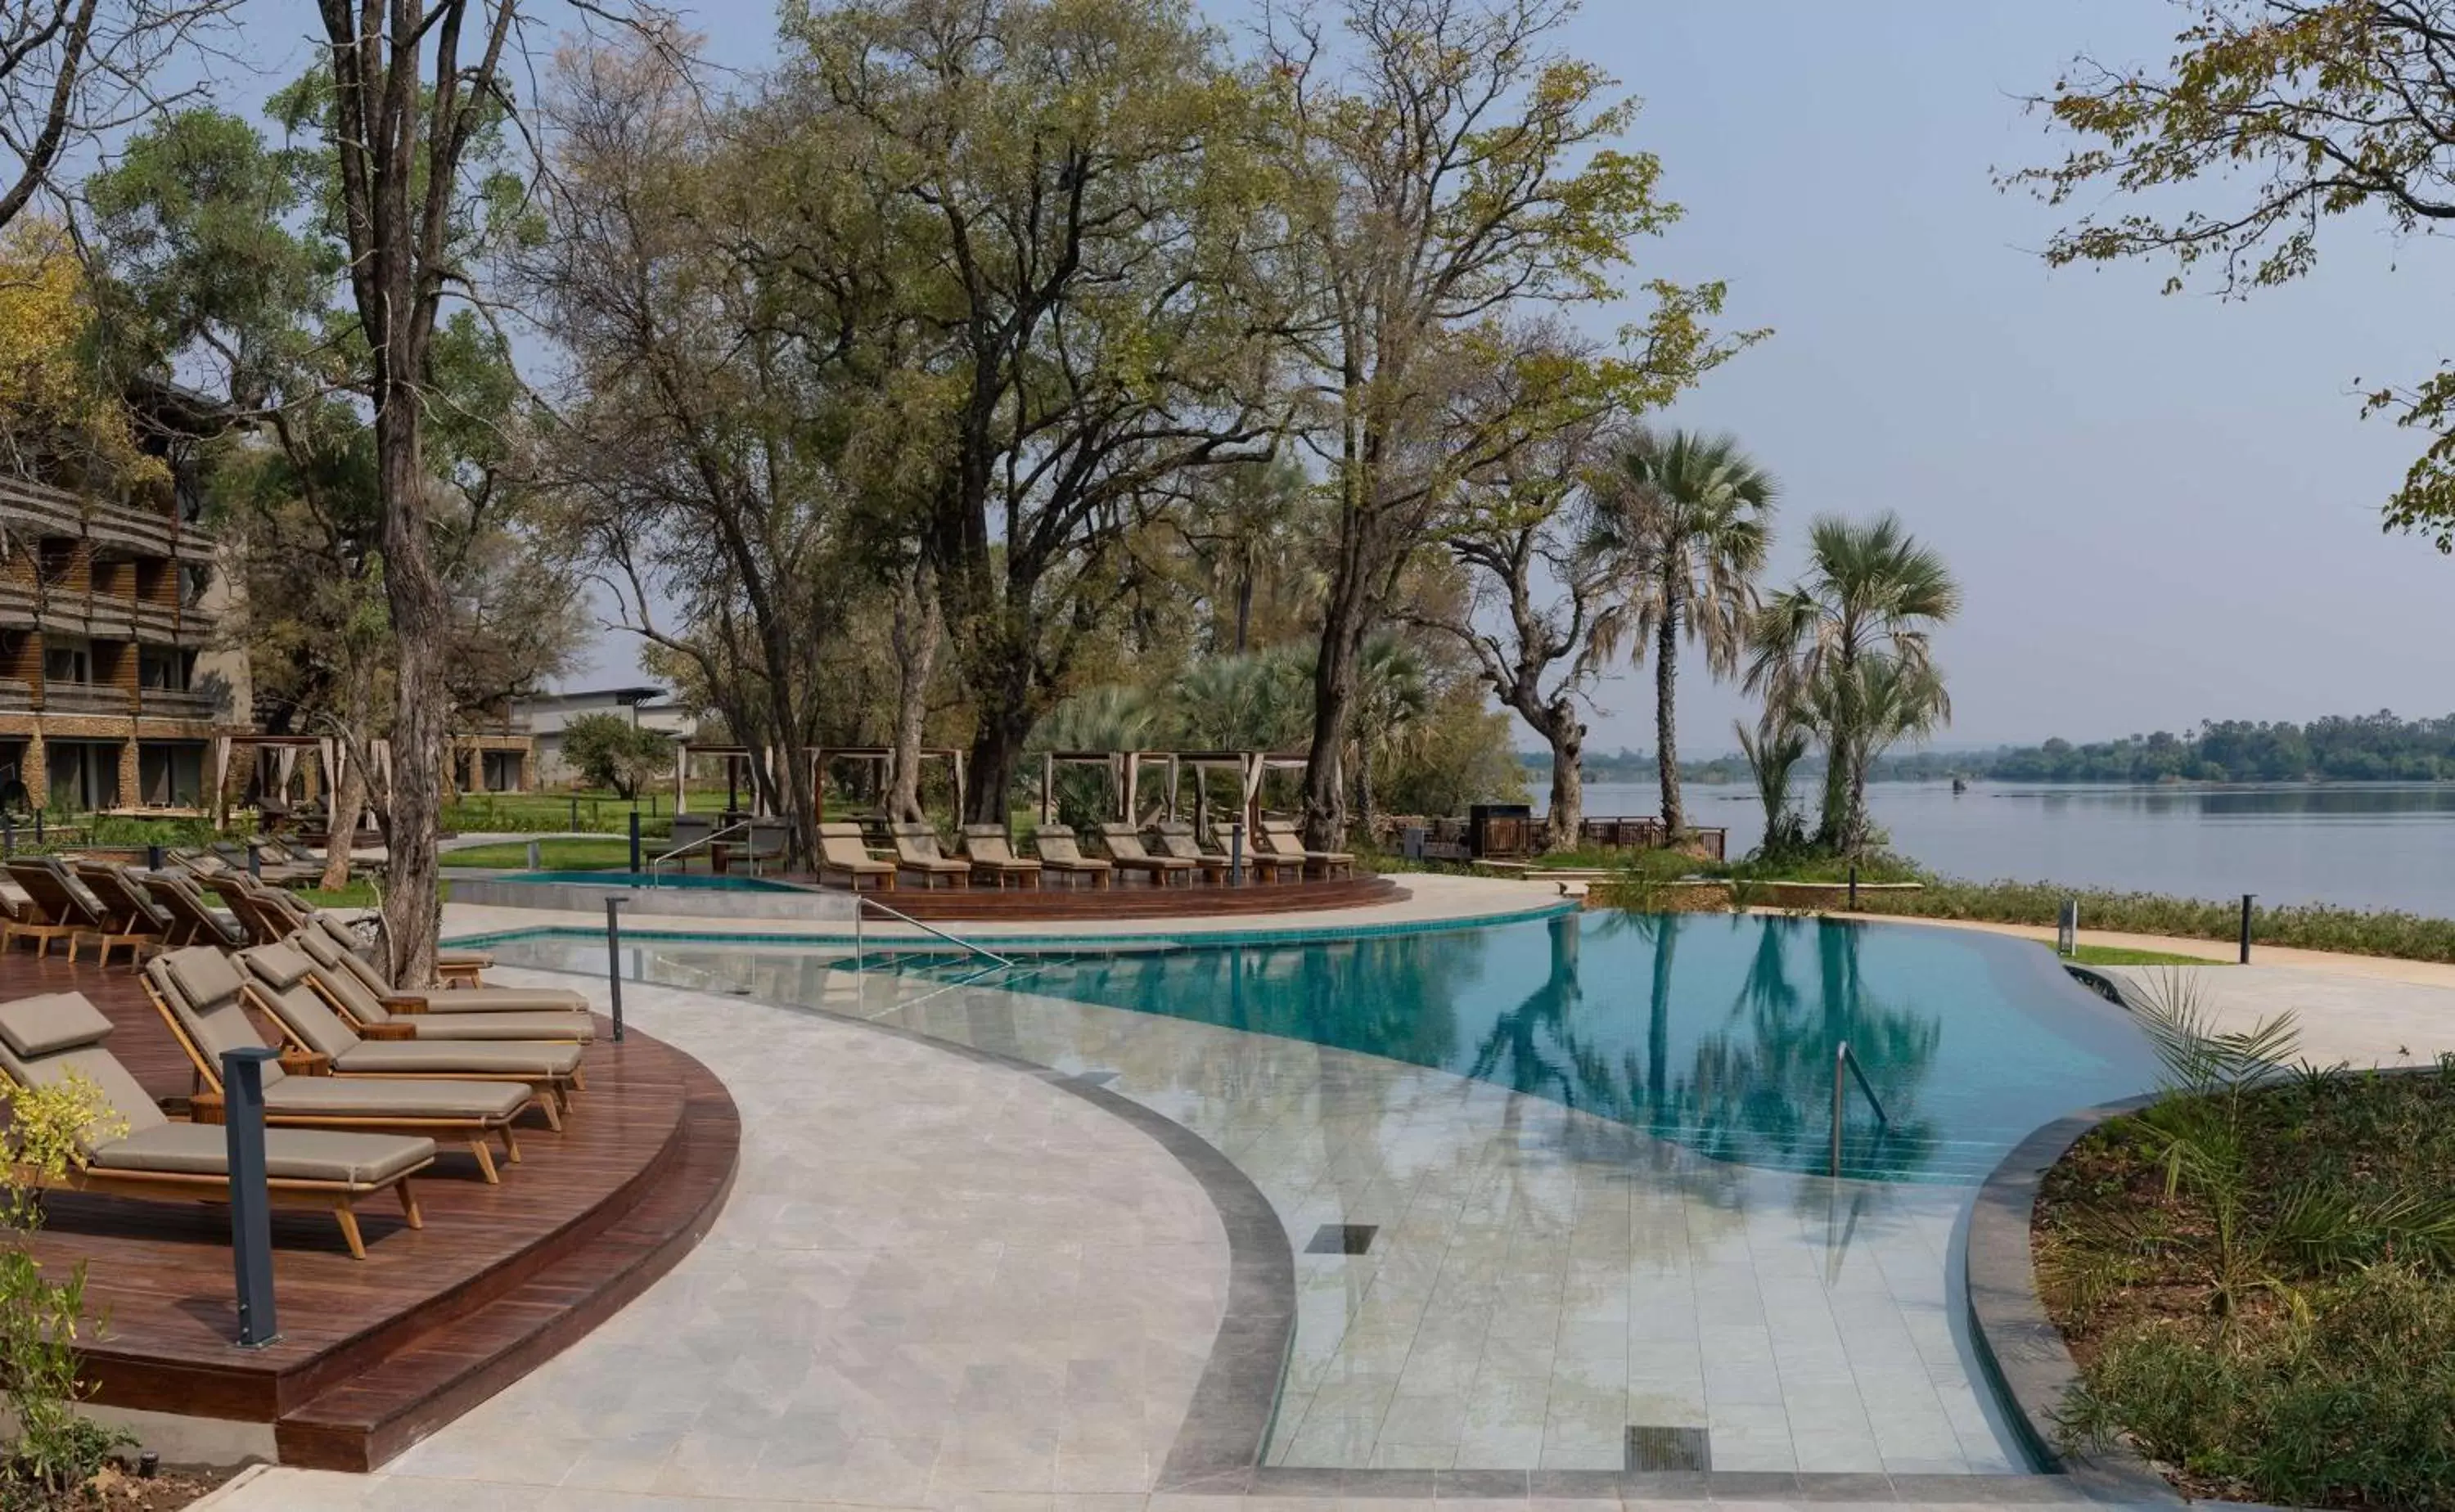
1846,1070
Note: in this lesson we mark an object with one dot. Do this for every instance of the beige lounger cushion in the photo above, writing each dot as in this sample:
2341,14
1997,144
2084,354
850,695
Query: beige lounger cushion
574,1028
366,1098
339,963
118,1090
202,973
443,1057
299,1155
49,1023
216,1023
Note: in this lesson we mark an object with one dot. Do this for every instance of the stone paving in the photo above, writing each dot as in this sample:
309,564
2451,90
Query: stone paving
935,1279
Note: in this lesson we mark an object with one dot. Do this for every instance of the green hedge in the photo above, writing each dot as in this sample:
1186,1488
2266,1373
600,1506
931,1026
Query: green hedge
2355,932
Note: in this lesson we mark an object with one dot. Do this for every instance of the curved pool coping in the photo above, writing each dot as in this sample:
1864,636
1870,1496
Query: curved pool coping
1220,1448
887,936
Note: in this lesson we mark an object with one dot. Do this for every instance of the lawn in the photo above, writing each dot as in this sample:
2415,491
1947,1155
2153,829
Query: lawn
2258,1282
2117,956
558,855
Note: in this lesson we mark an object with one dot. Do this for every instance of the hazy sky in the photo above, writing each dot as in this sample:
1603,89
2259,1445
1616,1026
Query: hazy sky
2160,508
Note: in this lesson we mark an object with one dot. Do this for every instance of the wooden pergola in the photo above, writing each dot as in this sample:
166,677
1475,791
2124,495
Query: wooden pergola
332,754
882,758
1125,773
735,756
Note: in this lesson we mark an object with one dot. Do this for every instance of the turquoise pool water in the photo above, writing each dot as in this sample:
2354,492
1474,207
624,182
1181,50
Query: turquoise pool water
718,885
1716,1032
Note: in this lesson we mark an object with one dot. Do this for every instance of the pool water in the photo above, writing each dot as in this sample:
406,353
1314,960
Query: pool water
1714,1032
700,882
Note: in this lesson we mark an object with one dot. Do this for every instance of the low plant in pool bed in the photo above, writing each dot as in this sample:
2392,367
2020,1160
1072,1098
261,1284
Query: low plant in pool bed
2257,1273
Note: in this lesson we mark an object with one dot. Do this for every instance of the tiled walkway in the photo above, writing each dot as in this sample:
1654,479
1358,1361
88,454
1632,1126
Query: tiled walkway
936,1279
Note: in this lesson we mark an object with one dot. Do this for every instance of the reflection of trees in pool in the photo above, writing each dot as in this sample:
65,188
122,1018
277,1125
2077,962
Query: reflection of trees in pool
1757,1090
1391,997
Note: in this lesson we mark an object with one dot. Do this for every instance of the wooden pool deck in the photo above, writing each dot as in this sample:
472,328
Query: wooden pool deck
375,1354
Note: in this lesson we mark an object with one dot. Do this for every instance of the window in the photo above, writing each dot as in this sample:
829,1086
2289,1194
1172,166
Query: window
165,668
69,663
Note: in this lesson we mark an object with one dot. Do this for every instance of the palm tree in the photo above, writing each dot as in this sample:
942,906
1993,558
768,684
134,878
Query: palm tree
1848,652
1393,693
1773,750
1691,514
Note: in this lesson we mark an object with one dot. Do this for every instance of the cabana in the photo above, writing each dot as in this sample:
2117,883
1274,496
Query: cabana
882,758
737,759
1125,774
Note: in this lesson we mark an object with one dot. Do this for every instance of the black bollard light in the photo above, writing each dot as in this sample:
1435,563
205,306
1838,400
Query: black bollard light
250,1200
575,815
614,959
154,857
1236,851
635,841
2245,926
255,863
38,826
1854,886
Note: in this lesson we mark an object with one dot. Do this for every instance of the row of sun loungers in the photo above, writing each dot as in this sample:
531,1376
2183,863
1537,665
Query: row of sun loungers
370,1077
989,856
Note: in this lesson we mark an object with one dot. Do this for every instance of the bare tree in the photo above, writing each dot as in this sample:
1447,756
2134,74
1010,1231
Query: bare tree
1551,603
73,72
1443,175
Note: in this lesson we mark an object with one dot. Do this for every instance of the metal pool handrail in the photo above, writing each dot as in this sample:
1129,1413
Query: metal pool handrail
709,838
863,901
1844,1061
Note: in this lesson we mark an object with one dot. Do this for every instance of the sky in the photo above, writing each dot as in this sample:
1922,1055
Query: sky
2161,508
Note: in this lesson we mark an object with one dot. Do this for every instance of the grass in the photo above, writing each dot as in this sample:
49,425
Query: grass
561,855
2118,956
2354,931
358,895
2259,1285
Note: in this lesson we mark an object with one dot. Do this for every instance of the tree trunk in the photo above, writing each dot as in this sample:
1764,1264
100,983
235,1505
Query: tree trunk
997,756
1666,710
1333,707
918,627
1567,736
412,912
349,798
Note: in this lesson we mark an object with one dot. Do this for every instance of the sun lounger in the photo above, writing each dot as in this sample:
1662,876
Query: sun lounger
461,1001
44,1040
200,994
135,919
841,854
916,850
457,968
1124,845
194,921
312,1024
197,859
1061,855
1280,839
246,899
249,861
65,907
496,1013
992,856
1178,840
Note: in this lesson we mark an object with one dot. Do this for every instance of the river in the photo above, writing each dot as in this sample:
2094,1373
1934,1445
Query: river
2352,844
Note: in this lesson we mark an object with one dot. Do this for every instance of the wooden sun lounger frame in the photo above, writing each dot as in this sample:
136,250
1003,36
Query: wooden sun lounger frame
205,1104
998,868
931,864
876,869
553,1090
1103,871
122,911
1160,867
44,930
1281,838
338,1198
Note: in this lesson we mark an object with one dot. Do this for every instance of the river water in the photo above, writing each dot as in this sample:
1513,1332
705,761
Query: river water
2355,845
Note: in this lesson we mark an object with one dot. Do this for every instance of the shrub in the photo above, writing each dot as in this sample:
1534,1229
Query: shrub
2354,931
56,1452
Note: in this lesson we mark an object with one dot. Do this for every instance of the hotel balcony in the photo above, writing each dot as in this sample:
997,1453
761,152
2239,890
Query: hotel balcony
35,508
80,697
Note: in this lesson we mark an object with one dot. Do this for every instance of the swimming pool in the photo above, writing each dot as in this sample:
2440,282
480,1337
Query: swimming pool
1713,1031
1716,1032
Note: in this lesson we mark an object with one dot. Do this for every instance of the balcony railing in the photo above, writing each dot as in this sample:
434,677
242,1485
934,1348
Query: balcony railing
80,697
55,512
16,693
176,703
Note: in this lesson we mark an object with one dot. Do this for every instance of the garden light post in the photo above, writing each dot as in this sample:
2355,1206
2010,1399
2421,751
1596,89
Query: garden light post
614,959
250,1200
635,841
2245,926
2067,928
1236,852
1853,887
